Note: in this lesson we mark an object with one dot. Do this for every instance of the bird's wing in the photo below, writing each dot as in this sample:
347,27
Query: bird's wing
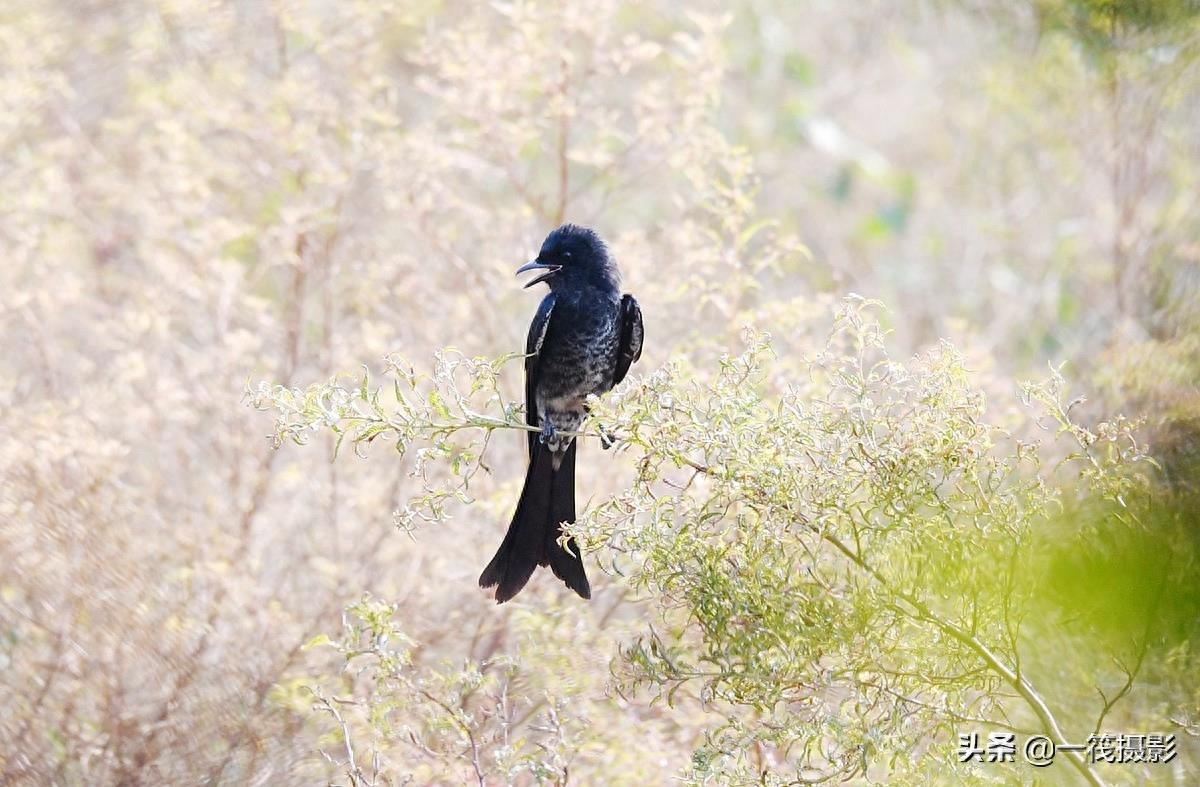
533,348
629,348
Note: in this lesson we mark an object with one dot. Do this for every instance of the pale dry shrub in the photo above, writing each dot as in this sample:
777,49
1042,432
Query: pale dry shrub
199,195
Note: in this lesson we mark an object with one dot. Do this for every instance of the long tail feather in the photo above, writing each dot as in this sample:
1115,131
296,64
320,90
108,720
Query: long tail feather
547,499
566,563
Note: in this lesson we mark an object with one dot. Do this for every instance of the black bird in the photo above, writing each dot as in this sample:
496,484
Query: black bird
582,341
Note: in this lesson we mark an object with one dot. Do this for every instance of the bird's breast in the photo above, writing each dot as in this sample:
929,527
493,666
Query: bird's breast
579,358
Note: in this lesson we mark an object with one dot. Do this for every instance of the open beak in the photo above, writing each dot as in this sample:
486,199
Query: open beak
550,270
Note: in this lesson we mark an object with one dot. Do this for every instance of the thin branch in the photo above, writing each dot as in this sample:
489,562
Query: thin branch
564,134
1022,686
466,731
352,769
1131,674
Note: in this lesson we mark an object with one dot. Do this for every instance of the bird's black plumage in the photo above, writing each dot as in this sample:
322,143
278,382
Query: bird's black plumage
582,341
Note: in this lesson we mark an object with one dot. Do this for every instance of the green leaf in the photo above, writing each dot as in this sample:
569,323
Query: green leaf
438,405
317,641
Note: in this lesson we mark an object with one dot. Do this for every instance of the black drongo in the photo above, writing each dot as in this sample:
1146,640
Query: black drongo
582,341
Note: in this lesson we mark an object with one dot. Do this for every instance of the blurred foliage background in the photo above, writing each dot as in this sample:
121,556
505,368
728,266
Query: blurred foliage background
199,196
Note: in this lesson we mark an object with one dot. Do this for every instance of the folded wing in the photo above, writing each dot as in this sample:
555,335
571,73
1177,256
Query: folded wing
629,348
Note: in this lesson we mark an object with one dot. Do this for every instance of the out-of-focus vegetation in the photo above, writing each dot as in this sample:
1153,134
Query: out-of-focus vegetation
841,560
834,535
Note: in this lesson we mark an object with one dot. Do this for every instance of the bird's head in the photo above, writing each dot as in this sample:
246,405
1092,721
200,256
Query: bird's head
572,257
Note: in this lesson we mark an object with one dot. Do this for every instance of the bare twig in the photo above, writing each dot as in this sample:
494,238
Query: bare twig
466,729
352,770
1035,701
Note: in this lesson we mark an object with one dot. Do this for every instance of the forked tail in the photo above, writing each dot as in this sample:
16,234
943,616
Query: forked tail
547,499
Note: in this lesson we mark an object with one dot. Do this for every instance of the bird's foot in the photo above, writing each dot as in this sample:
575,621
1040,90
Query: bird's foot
548,432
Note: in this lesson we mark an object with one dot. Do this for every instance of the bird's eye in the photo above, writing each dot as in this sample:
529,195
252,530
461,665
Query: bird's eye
566,254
